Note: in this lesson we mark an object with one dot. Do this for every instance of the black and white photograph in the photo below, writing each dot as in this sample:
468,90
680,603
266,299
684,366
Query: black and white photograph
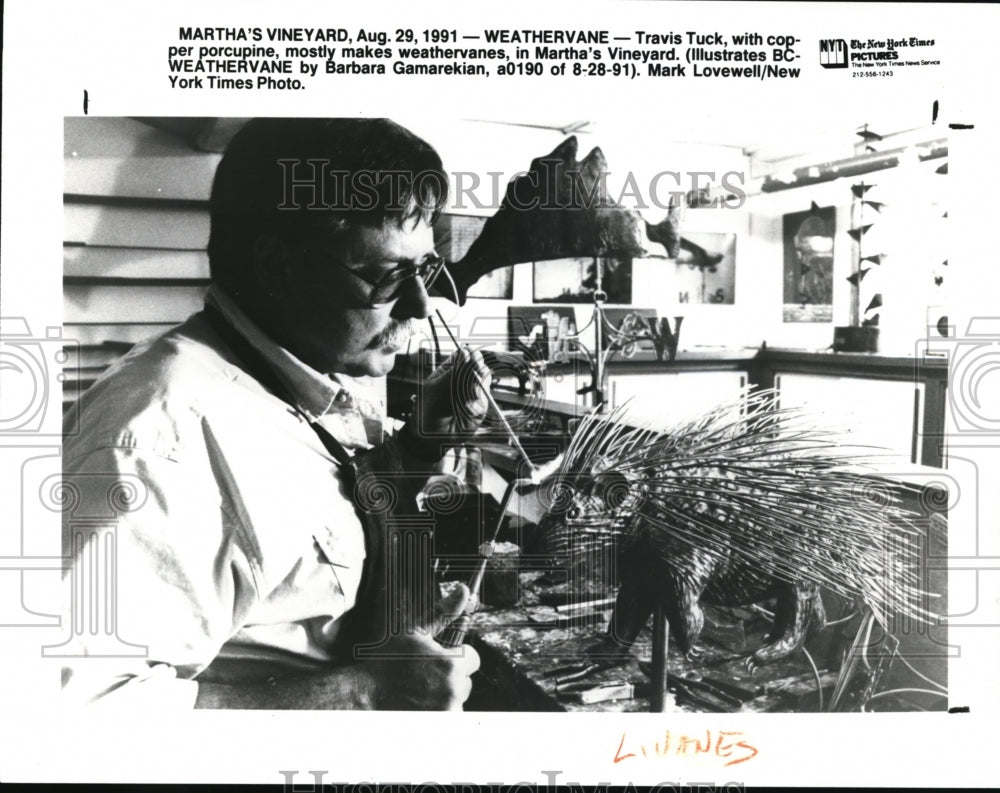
613,389
252,583
576,280
706,268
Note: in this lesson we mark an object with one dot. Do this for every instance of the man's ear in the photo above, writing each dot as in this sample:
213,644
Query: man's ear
271,259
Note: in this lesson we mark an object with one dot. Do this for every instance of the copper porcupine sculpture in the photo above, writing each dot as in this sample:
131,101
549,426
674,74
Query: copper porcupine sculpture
743,503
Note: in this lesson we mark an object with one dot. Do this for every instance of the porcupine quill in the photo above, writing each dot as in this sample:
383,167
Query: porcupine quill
745,481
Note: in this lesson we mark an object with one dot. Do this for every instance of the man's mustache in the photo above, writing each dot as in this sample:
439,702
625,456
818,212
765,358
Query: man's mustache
395,334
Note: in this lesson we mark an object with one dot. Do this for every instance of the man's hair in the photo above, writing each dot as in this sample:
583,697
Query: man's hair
305,179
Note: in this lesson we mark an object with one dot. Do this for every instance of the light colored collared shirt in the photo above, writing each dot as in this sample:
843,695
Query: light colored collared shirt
210,526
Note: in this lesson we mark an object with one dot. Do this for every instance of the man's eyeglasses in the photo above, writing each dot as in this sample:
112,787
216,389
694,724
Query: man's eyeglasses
390,284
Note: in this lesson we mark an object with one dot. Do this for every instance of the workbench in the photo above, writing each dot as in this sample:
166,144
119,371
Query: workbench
519,651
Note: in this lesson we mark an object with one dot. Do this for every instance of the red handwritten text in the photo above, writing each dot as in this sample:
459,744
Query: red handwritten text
731,745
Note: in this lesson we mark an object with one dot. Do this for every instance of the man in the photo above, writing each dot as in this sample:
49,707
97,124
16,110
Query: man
246,570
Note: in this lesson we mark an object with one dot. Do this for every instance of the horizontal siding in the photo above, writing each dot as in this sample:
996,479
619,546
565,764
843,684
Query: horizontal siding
136,227
183,176
113,262
124,157
130,304
135,210
95,334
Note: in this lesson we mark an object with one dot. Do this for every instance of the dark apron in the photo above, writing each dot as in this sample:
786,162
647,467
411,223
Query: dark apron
397,590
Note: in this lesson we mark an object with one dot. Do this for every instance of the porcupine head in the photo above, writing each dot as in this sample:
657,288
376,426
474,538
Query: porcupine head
588,513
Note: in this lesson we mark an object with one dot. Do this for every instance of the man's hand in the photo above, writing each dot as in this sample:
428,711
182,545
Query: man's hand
451,403
417,673
413,672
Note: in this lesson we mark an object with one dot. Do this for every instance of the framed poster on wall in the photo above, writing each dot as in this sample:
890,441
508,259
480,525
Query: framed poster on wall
808,264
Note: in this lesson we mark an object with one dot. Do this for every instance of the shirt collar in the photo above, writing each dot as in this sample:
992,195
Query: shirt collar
314,393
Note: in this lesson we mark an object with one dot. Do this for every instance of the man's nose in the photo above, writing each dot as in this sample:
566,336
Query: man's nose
413,302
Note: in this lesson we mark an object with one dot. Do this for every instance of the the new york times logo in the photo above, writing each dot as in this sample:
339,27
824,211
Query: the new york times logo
833,53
